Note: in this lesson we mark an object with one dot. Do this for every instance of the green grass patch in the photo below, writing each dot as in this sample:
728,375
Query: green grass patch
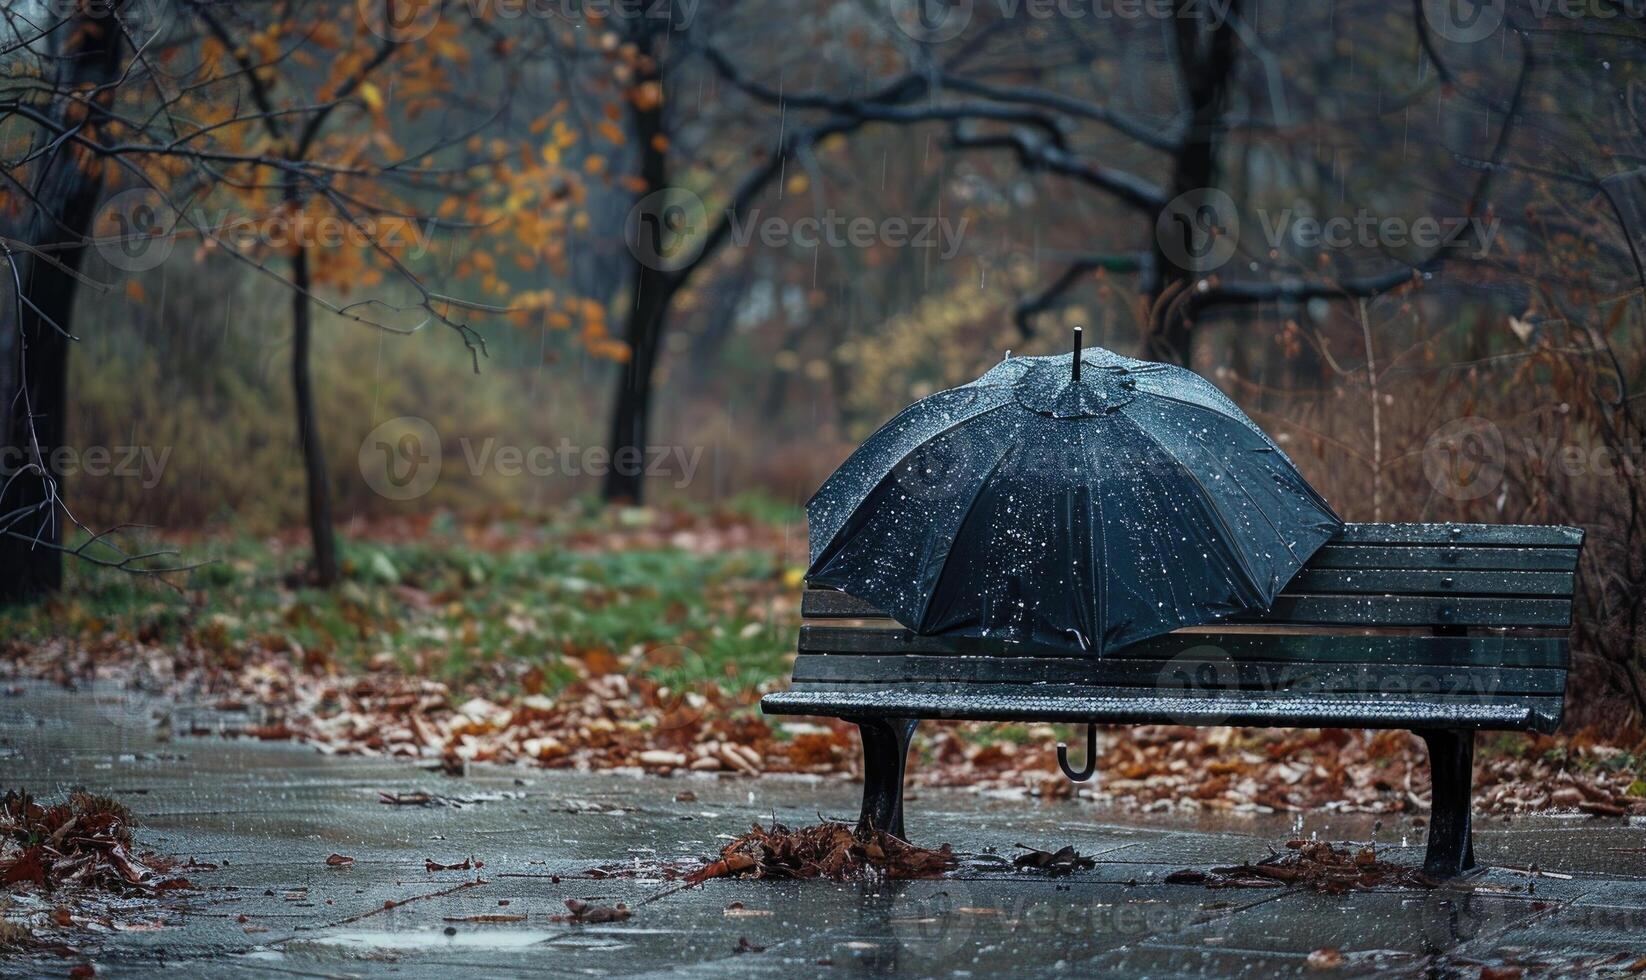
453,613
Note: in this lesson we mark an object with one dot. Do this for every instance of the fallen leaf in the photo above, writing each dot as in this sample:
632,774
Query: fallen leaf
1065,860
584,913
25,867
736,911
406,799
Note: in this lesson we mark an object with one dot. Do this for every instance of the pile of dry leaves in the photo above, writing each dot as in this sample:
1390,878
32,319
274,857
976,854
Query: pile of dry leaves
84,841
827,850
1313,865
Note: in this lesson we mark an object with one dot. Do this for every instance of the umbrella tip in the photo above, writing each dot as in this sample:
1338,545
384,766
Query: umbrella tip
1078,331
1008,355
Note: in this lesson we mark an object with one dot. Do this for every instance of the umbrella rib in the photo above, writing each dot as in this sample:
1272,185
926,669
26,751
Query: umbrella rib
1211,505
1235,477
881,479
960,525
1242,418
1266,518
914,410
1101,541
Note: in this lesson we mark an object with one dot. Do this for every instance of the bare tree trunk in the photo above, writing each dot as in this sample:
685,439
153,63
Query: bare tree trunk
654,289
308,430
34,346
631,412
1206,61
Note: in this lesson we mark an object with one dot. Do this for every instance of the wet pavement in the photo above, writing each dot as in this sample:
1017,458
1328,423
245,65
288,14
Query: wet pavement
269,814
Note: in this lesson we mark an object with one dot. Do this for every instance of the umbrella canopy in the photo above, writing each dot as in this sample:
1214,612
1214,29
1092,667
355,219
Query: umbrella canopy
1080,502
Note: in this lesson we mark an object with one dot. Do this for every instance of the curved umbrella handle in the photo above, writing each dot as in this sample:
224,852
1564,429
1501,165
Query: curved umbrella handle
1091,757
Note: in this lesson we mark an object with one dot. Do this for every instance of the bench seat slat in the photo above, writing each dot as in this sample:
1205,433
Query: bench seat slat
983,673
1444,558
1512,535
1484,651
1315,609
1277,709
1416,611
1391,581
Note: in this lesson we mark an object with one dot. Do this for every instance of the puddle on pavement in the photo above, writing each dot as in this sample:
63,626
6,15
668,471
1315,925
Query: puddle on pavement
387,939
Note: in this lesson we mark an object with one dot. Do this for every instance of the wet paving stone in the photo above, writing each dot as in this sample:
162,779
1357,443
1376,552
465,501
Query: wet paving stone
269,814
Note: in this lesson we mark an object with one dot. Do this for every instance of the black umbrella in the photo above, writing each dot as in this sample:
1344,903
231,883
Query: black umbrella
1080,502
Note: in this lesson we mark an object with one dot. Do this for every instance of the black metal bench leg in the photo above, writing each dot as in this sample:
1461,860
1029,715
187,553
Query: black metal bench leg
1451,778
885,754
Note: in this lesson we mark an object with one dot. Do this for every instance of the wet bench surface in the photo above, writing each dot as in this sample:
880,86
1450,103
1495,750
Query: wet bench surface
1444,629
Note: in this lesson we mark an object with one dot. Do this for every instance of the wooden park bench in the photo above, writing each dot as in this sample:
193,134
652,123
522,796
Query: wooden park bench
1443,629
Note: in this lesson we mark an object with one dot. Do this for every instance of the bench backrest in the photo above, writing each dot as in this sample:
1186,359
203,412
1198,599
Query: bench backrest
1438,611
1419,575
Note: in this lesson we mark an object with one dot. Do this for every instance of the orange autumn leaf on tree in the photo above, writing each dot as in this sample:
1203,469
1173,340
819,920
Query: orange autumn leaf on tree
646,96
